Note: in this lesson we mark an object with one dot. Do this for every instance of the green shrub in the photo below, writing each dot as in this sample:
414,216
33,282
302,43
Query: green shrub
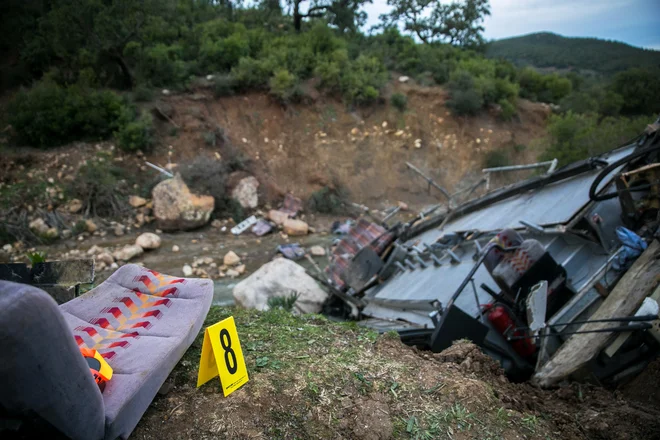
49,114
328,200
508,110
136,134
465,102
496,159
225,53
223,85
399,101
285,302
143,93
101,186
284,86
573,137
161,65
251,73
362,80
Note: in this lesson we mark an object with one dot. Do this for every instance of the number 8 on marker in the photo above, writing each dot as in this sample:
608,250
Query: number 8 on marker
226,346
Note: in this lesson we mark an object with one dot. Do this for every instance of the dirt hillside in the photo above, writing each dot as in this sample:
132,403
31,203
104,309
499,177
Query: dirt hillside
301,148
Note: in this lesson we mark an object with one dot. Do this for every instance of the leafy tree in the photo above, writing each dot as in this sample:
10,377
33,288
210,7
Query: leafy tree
640,90
344,14
457,23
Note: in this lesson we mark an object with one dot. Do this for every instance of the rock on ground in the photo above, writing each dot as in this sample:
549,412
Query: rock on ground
90,226
246,192
280,277
74,206
128,252
295,227
137,201
317,251
231,259
148,240
38,226
187,270
175,207
277,217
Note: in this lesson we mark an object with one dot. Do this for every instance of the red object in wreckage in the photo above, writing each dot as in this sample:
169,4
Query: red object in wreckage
501,319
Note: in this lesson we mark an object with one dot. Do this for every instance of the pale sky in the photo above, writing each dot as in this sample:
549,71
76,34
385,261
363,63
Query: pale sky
636,22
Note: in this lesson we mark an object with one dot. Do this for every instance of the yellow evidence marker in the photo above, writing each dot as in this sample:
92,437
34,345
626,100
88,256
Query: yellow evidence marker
222,355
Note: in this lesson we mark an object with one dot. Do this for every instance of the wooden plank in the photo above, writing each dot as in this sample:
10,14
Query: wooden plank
626,297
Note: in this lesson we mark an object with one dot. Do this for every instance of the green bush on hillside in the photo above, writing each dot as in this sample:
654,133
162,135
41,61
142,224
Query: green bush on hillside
572,137
284,86
48,114
136,134
399,101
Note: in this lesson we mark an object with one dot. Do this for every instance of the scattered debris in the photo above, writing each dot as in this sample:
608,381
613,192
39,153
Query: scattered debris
261,228
244,225
292,251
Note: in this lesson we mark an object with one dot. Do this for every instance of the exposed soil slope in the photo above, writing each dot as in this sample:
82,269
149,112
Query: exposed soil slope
301,148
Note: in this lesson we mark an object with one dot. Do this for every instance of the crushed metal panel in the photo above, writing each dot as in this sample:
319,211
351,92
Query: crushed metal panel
552,204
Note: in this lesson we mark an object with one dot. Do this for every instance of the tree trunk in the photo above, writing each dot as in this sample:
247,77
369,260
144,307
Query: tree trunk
297,18
125,70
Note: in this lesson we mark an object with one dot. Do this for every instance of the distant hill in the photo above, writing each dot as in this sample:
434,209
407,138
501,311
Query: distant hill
548,50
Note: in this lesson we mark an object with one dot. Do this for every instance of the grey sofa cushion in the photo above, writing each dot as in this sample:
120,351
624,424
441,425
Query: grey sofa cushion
141,322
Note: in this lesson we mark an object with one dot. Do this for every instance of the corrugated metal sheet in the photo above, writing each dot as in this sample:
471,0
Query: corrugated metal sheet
553,204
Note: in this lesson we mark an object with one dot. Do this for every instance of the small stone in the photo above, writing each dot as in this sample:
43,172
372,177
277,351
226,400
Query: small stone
295,227
74,206
95,250
38,226
165,92
90,226
355,131
119,230
399,133
232,273
148,240
240,269
137,201
106,258
418,143
100,266
277,217
244,140
317,251
231,259
51,233
66,234
404,79
187,270
128,252
114,266
8,248
216,224
478,140
175,248
384,124
403,206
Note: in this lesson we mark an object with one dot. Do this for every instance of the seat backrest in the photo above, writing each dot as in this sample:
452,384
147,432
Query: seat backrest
42,370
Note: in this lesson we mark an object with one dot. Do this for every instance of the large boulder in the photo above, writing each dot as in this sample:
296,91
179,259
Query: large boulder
280,277
175,207
246,192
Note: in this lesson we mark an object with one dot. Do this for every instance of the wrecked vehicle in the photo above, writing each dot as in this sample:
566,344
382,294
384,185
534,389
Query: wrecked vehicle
545,275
